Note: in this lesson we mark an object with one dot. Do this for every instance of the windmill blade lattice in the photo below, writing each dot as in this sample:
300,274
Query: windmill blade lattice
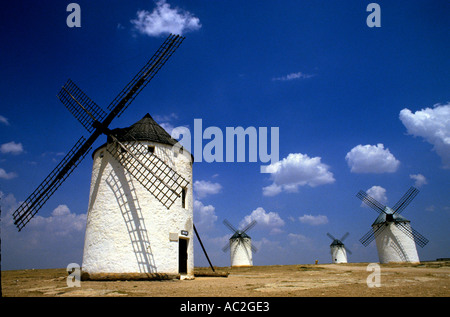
249,226
413,234
230,226
371,235
371,202
405,200
348,250
345,236
147,168
252,246
80,105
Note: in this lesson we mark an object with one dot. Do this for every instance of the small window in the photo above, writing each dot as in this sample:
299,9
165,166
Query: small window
183,198
151,149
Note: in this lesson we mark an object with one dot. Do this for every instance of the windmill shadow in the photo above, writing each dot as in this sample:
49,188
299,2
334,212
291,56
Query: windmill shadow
133,218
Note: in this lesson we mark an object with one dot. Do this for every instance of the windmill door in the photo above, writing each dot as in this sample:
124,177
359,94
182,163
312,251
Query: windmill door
182,255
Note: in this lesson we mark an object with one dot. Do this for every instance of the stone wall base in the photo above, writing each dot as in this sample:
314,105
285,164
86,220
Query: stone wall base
85,276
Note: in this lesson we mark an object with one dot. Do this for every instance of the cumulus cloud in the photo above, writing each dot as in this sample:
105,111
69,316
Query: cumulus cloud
371,159
419,178
205,216
11,148
433,125
46,242
6,175
265,219
378,193
61,223
165,20
313,220
292,76
297,170
204,188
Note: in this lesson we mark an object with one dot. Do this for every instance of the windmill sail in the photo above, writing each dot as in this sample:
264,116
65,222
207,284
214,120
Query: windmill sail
240,235
89,114
413,234
371,235
37,199
230,226
80,105
375,205
127,95
156,176
405,200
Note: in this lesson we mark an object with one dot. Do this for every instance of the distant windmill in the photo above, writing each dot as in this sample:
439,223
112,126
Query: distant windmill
137,177
338,249
395,238
240,245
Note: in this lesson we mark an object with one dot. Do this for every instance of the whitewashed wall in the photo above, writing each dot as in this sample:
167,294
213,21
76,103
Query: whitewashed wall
395,246
241,253
128,230
338,254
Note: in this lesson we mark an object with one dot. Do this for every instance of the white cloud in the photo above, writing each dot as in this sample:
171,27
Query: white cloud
61,223
378,193
420,179
292,76
46,242
272,190
432,124
11,147
4,120
204,188
204,216
269,220
297,170
371,159
164,20
6,175
313,220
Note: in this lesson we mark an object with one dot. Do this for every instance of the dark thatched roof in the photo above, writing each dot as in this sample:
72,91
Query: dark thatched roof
145,129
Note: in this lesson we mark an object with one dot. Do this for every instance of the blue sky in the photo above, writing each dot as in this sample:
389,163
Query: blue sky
356,107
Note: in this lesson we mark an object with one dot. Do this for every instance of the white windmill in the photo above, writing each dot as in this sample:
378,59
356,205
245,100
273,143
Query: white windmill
140,215
139,222
338,249
240,245
395,238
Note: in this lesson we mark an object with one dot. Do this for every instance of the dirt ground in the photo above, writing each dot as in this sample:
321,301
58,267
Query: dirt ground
427,279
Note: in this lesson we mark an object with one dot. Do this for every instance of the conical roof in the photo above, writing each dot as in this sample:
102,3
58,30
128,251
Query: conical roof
389,214
146,129
239,234
336,242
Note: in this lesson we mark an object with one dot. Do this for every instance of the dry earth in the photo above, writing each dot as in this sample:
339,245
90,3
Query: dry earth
428,279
